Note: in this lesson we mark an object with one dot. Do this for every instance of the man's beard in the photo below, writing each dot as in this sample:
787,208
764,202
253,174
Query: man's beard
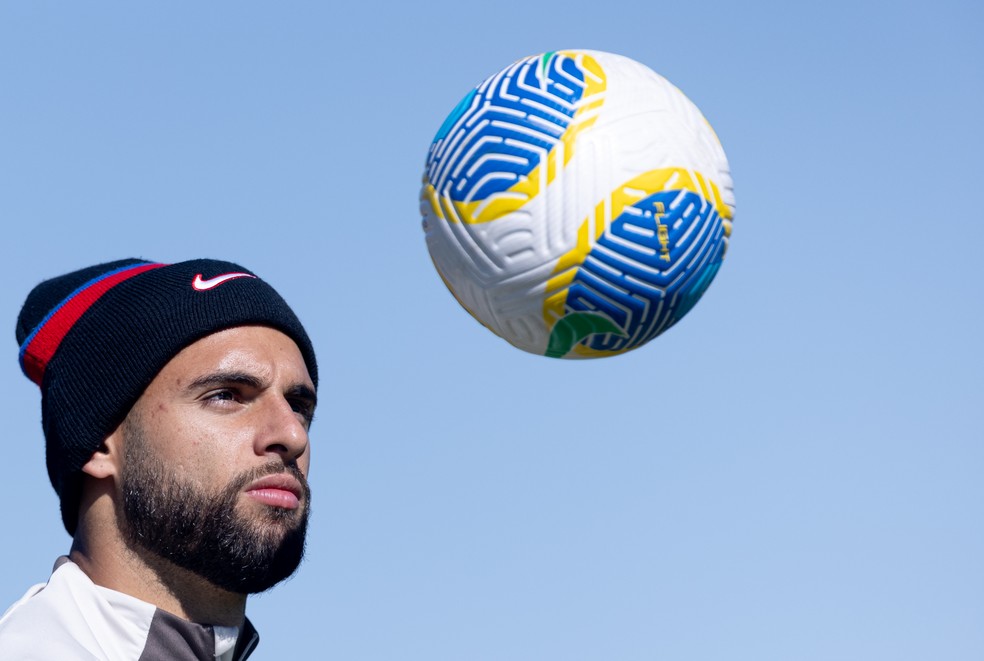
201,531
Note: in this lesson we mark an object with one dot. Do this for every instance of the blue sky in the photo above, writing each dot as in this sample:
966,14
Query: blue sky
791,473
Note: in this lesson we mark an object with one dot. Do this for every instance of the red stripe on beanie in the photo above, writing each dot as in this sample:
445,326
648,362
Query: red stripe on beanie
46,339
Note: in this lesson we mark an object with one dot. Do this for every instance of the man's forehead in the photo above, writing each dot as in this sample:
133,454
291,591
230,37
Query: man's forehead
260,350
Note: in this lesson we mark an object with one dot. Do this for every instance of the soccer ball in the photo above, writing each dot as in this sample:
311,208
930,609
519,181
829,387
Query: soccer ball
577,204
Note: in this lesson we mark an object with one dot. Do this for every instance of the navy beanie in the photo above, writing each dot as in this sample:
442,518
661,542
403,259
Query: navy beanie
94,339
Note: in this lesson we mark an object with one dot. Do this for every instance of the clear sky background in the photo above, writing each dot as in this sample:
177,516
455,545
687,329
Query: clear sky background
793,472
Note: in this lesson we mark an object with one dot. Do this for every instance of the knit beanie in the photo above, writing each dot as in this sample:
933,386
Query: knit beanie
94,339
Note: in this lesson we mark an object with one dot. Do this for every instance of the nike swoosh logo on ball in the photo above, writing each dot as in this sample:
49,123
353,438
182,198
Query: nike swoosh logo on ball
204,285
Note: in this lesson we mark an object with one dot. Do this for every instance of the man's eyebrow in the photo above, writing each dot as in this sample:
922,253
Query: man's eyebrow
217,379
302,391
225,378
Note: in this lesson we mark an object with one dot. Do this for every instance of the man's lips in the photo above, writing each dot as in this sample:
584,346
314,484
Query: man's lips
281,490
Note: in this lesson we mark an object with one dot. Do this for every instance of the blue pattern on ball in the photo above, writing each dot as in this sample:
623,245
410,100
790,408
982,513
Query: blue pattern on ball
626,277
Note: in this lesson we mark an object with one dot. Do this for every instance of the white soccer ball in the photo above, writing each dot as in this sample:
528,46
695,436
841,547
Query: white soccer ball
577,204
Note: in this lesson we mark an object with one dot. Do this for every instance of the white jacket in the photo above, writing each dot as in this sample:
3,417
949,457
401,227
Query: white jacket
70,618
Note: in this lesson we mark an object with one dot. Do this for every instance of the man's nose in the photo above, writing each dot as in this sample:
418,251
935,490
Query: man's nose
281,431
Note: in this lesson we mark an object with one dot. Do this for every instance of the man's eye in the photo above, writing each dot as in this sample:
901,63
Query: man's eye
222,396
303,408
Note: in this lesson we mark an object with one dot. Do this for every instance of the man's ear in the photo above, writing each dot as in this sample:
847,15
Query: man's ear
106,460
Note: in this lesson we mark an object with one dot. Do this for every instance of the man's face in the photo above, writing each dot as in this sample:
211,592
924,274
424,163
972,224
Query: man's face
215,459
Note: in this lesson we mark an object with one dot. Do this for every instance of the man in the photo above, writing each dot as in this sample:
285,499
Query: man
176,402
